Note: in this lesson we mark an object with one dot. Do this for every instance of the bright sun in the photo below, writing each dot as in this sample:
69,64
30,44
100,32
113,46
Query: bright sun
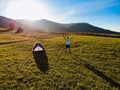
27,9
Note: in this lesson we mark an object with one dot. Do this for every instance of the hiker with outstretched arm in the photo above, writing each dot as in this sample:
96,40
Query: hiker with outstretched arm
68,41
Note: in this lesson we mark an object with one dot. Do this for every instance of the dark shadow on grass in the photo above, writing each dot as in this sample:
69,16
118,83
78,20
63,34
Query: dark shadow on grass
7,30
97,72
4,43
41,60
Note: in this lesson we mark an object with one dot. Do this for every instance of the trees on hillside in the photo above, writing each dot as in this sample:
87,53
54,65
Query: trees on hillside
11,26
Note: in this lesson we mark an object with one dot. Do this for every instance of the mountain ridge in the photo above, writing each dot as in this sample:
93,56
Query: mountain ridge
51,26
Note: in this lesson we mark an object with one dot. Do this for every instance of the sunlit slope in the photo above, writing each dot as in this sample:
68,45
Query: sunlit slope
1,29
93,64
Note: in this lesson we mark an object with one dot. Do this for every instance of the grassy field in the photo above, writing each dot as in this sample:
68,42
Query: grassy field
94,64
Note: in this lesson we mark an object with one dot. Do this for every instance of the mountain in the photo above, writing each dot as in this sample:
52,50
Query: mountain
40,25
4,22
10,25
85,27
50,26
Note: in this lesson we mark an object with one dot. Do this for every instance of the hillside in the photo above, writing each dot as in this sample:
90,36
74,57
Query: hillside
85,27
5,21
50,26
93,64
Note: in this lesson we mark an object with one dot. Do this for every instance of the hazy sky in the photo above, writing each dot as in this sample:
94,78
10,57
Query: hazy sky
102,13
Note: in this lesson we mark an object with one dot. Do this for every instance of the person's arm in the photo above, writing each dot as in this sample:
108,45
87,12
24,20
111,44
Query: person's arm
64,36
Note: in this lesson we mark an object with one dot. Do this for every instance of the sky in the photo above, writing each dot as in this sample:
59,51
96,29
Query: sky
101,13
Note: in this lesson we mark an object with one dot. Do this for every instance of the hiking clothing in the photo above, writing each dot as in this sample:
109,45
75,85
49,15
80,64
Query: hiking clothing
67,46
67,41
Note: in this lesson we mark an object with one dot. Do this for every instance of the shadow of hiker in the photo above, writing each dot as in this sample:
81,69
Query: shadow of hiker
97,72
40,58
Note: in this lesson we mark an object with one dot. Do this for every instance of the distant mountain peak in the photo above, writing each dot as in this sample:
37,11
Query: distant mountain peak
44,20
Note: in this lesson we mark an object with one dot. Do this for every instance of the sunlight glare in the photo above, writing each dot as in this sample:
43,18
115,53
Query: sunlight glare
27,9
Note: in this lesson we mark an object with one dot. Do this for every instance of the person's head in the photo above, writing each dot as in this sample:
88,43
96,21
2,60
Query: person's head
67,37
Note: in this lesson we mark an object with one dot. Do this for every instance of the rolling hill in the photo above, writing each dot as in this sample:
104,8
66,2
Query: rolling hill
50,26
5,21
85,27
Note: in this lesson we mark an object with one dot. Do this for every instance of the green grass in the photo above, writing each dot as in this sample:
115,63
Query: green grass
93,64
